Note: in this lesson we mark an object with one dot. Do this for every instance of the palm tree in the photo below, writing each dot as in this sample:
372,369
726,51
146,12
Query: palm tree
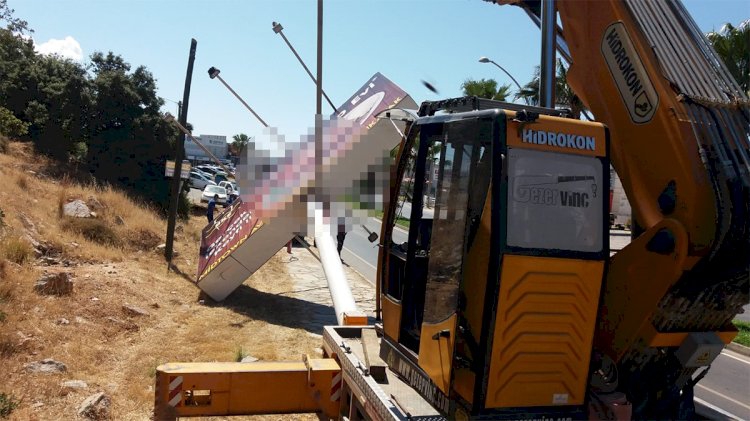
564,96
240,141
485,88
733,46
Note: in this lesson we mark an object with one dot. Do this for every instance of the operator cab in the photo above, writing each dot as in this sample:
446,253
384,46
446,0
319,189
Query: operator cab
495,247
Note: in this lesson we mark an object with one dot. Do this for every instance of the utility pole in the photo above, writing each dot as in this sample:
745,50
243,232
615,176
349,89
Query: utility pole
179,156
319,105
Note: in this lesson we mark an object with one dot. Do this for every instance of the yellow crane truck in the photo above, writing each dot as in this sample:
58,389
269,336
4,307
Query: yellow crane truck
504,303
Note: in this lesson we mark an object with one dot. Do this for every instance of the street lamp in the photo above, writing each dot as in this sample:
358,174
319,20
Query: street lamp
277,28
487,60
213,73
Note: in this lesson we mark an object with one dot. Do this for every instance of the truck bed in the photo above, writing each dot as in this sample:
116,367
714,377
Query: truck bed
391,399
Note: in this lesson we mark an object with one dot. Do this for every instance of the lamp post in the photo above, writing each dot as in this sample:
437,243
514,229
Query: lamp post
277,28
213,73
487,60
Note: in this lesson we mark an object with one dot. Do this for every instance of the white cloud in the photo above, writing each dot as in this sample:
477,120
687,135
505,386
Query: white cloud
67,48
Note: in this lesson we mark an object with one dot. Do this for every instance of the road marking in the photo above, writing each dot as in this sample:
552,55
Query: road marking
726,354
363,261
724,396
711,408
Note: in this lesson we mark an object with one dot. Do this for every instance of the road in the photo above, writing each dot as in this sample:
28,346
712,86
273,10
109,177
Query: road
726,386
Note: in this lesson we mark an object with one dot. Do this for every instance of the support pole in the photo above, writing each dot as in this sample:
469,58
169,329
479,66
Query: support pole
277,28
179,156
549,49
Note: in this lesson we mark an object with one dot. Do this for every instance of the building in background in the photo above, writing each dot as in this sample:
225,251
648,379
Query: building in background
214,143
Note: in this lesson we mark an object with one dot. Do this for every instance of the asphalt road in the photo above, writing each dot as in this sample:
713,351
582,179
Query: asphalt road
726,386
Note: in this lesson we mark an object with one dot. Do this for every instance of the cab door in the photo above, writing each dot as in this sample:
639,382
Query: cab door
456,185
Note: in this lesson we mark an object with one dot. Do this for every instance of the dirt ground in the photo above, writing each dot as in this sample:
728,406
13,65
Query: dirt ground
101,343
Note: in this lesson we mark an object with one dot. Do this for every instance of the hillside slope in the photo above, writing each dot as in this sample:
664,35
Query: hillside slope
114,264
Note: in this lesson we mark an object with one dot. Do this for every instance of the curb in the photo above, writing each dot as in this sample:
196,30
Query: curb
740,349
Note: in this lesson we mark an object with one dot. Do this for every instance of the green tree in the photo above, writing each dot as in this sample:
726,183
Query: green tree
14,25
733,46
58,109
564,95
10,125
129,140
240,141
485,88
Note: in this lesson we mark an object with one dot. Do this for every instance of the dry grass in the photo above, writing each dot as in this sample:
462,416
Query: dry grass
15,250
114,262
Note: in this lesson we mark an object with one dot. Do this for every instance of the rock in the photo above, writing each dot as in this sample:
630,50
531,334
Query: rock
123,324
95,407
46,366
54,284
93,203
74,244
27,223
62,321
155,305
119,220
74,384
94,299
161,247
249,359
131,310
77,209
49,261
37,405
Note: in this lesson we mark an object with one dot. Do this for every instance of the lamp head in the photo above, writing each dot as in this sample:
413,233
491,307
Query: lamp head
213,72
484,59
277,27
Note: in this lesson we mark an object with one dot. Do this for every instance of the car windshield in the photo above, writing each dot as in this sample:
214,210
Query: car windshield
216,190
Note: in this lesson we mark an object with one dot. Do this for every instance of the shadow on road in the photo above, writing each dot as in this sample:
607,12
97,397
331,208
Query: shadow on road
278,309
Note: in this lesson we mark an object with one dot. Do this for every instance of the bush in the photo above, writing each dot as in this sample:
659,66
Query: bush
743,337
7,405
3,144
16,250
10,125
142,239
92,229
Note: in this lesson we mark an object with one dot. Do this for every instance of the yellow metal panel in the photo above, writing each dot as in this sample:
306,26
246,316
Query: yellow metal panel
391,317
543,331
474,285
436,354
636,281
646,156
576,137
246,388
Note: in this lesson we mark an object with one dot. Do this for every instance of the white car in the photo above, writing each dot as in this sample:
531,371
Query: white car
211,190
231,187
199,181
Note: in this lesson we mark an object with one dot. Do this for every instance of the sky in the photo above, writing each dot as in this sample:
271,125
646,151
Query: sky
408,41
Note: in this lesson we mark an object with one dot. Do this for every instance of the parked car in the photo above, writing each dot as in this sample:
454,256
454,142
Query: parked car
203,173
211,190
231,187
220,176
208,169
199,181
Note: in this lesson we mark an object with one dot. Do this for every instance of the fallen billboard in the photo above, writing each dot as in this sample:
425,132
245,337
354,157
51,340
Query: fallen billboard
276,190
